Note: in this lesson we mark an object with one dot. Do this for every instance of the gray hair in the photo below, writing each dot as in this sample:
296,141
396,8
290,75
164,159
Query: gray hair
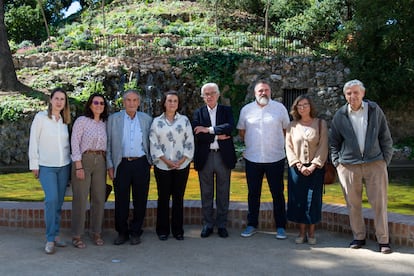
352,83
210,84
129,91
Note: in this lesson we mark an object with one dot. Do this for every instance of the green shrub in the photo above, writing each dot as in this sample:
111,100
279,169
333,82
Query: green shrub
13,46
407,142
12,108
164,42
25,44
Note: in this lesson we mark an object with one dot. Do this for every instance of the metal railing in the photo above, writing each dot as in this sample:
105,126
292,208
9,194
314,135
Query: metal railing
281,45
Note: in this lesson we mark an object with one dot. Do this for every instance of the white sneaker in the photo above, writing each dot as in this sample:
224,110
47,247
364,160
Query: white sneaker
312,241
300,240
50,248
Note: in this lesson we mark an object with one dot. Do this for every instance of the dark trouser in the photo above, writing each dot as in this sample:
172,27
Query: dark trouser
274,175
215,174
172,184
135,174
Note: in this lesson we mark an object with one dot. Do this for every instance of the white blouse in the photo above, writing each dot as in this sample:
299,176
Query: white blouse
49,142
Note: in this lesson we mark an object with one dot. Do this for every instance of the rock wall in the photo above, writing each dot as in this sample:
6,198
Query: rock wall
14,143
322,78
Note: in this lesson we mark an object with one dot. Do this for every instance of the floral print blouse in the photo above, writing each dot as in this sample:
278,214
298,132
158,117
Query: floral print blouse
172,140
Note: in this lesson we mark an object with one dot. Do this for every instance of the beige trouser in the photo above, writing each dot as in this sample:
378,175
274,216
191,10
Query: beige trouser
375,176
94,183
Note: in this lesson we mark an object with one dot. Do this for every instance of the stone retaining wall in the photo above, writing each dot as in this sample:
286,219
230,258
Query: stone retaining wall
322,78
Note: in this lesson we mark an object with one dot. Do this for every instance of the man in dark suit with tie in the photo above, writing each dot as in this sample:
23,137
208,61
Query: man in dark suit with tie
214,158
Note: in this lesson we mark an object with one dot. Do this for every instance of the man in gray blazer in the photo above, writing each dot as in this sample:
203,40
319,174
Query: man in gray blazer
129,161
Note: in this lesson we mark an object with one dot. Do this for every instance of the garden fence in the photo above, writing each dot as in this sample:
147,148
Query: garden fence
155,44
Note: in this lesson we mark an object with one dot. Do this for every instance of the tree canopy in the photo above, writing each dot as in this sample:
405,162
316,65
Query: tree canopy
378,47
374,37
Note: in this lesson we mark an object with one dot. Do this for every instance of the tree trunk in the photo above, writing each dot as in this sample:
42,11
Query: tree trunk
8,77
44,18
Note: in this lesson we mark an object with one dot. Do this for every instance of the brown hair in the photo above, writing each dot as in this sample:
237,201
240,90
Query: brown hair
294,109
88,112
164,99
65,112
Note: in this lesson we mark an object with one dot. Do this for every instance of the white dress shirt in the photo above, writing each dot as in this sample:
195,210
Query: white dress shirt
264,136
359,121
213,113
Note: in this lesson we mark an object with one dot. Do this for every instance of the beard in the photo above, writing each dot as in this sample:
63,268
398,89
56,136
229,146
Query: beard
262,100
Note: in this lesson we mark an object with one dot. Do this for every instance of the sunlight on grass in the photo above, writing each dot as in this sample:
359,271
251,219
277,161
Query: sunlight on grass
24,187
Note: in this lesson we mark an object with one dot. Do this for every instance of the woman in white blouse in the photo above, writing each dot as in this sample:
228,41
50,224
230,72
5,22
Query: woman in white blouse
172,149
49,160
89,170
306,152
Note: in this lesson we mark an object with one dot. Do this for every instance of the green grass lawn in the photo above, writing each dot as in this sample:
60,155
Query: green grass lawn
24,187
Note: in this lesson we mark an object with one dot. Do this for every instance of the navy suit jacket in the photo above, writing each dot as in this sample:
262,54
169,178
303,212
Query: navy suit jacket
224,125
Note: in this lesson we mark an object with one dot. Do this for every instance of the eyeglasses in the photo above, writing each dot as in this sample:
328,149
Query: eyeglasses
303,105
98,103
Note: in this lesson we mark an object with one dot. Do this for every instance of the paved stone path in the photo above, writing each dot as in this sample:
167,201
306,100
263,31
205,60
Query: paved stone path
21,253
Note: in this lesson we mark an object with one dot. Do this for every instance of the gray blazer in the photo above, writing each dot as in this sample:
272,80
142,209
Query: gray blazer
115,132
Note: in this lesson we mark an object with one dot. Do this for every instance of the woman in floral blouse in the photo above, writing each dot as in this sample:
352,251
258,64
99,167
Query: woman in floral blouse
172,149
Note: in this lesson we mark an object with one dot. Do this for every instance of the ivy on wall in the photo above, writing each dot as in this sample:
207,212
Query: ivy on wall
217,67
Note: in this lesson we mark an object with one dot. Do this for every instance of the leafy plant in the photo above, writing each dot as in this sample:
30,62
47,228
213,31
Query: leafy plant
408,144
164,42
377,46
218,67
12,108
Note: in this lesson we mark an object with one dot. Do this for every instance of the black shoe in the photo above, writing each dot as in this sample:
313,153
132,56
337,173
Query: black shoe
222,232
356,244
207,231
135,239
121,239
179,237
385,248
163,237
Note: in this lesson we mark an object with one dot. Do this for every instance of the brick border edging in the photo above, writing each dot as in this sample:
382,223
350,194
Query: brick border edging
334,218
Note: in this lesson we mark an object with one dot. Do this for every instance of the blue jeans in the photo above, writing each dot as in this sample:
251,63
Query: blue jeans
54,181
274,175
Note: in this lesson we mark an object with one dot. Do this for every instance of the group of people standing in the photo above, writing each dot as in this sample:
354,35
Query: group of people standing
126,144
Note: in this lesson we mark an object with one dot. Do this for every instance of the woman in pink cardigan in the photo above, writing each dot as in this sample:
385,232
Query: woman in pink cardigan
306,152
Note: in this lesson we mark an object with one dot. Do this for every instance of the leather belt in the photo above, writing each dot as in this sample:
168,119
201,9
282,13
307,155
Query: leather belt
130,158
214,150
99,152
